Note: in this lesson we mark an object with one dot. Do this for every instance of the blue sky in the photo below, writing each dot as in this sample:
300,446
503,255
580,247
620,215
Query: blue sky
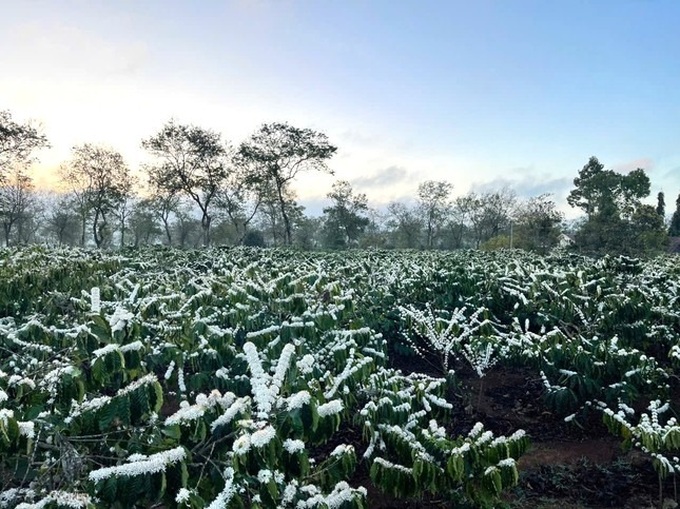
480,93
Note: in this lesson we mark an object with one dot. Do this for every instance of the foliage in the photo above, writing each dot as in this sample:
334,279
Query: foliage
277,153
17,143
674,228
194,162
617,222
262,378
345,220
537,225
102,180
214,378
434,206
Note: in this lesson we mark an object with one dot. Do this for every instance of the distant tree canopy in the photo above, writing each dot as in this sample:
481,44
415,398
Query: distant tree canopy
194,162
674,228
277,153
537,224
199,191
345,220
616,219
17,143
102,179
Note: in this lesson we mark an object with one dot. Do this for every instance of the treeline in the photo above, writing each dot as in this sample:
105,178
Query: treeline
199,190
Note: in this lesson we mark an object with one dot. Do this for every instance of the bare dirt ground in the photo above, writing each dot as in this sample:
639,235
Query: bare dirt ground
569,465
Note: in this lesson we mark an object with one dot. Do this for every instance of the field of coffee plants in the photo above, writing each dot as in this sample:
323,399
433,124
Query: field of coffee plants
230,378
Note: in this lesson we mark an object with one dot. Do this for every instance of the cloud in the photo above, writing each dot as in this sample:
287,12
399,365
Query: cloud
356,138
382,178
56,49
672,176
645,163
314,206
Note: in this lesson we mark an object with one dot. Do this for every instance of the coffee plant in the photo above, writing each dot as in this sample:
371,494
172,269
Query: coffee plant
232,378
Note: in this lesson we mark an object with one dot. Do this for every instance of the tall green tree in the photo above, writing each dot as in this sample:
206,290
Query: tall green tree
346,219
616,218
277,153
647,231
600,191
674,228
661,204
193,161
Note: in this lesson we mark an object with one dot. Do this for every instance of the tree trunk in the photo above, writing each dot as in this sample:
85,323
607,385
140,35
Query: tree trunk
98,229
205,224
286,220
8,230
166,225
83,229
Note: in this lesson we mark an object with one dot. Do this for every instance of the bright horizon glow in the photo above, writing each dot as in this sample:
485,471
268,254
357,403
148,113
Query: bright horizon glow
482,94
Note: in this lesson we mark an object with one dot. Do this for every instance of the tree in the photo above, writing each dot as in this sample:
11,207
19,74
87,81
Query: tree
405,225
600,191
100,179
16,198
125,207
142,222
17,143
434,205
277,153
345,220
537,224
163,202
307,232
240,199
490,214
591,192
674,228
459,225
612,202
269,212
63,221
188,231
661,204
78,186
647,231
195,162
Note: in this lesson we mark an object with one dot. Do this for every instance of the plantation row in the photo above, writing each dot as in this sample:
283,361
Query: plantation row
255,378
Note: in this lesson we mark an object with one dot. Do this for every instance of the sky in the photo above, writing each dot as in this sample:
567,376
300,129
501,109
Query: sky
483,93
